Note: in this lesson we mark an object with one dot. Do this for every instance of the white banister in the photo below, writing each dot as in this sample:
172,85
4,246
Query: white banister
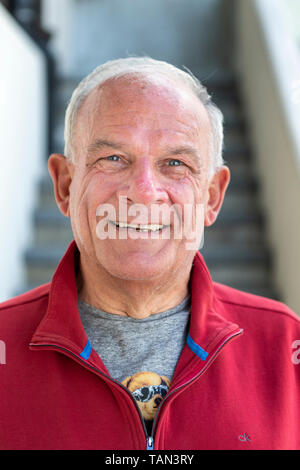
23,128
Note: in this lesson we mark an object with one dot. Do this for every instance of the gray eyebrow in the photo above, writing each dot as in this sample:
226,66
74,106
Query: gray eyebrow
182,149
101,143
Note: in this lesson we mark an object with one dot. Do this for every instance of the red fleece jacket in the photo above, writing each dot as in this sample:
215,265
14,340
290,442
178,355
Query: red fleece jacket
236,385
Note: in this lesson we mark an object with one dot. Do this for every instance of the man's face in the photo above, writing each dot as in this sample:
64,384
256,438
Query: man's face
149,144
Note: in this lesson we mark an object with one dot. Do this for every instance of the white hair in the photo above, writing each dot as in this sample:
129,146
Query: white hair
146,67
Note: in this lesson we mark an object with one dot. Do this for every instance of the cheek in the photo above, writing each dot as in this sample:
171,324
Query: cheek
101,188
189,194
101,201
98,189
87,195
188,190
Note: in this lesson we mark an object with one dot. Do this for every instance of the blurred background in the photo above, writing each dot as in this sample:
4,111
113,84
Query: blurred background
246,52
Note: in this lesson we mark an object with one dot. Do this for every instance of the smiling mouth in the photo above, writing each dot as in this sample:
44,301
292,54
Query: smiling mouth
140,228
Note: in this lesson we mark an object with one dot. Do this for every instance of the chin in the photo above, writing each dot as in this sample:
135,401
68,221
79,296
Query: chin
137,267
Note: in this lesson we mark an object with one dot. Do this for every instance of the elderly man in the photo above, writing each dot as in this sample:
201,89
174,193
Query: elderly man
132,345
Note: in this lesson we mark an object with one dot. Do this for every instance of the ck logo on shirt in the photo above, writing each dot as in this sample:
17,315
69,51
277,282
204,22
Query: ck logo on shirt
244,437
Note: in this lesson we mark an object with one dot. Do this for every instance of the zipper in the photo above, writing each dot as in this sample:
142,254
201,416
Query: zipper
150,443
213,357
149,439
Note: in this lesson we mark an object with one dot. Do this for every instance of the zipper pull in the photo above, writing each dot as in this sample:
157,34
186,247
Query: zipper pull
150,443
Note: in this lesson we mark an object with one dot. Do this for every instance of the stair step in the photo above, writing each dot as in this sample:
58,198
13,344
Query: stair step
236,153
247,234
235,254
237,275
51,227
264,290
219,84
239,218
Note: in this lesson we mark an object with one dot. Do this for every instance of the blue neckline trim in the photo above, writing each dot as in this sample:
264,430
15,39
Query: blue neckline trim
196,348
86,351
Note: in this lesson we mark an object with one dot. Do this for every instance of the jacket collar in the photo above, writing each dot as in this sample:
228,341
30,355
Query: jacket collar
208,328
61,325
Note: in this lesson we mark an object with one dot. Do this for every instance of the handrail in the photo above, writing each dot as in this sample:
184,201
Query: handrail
28,14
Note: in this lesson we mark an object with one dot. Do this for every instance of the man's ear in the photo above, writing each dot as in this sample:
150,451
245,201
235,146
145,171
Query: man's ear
216,193
60,171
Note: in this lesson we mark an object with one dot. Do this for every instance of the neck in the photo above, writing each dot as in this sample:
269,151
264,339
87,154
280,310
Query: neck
136,299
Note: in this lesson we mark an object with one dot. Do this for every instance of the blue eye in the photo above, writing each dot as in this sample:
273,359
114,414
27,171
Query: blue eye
113,157
177,162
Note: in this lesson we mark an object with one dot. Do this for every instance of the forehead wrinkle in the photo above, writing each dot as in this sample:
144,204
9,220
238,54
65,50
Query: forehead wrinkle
189,119
94,105
147,122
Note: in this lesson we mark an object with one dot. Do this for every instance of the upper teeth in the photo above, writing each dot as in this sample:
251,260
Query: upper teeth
141,227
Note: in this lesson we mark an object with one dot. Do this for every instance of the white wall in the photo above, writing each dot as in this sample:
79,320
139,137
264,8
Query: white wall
269,67
22,145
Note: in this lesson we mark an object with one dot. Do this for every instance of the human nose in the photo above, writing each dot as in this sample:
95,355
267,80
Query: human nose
144,186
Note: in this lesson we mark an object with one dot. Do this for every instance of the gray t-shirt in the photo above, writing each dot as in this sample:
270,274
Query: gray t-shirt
141,354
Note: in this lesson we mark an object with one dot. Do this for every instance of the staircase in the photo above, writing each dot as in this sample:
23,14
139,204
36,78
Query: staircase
235,249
